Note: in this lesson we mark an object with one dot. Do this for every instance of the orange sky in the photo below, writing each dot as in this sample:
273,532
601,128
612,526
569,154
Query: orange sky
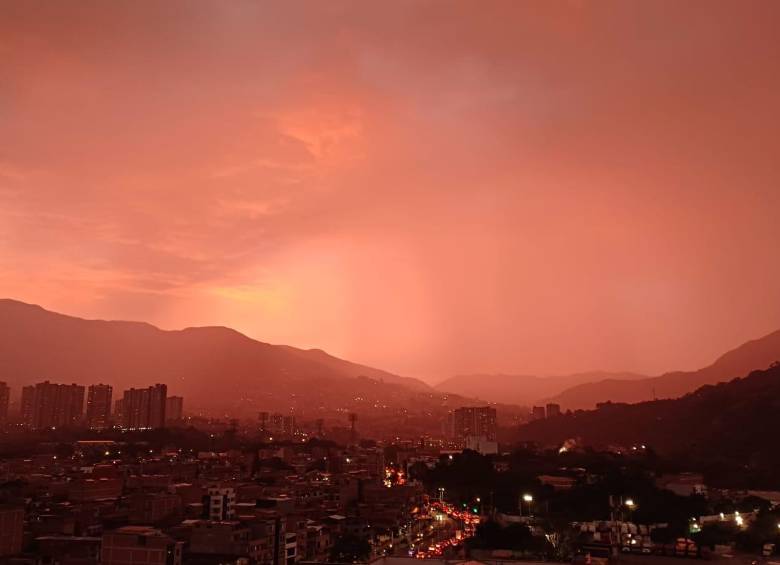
432,187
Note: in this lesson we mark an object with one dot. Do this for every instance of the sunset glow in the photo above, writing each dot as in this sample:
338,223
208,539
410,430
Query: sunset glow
430,187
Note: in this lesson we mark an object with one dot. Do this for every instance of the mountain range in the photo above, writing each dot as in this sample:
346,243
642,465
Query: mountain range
215,368
524,390
733,423
220,370
586,390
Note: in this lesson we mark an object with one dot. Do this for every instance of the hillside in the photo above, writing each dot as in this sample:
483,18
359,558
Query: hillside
522,389
735,420
755,354
215,368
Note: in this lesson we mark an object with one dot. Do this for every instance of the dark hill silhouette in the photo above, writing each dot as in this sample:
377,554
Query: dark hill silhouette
755,354
736,421
213,367
523,390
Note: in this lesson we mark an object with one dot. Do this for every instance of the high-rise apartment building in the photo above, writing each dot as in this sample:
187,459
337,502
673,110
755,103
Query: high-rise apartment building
553,410
144,408
51,405
277,423
26,405
174,407
289,426
537,413
118,411
263,419
99,406
475,422
5,399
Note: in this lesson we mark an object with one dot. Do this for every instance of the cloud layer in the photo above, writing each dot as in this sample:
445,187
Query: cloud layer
432,187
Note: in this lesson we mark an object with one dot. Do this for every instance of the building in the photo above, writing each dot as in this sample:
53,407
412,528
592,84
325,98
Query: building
553,410
268,538
277,423
682,484
11,529
288,425
219,538
67,550
174,406
144,408
51,405
151,508
537,413
220,504
482,445
28,399
99,407
5,399
83,490
263,418
140,545
558,482
118,412
475,421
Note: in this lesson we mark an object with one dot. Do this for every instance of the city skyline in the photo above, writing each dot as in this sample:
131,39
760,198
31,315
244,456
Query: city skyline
348,282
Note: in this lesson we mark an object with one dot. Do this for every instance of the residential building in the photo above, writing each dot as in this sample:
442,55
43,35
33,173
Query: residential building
55,405
151,508
140,545
81,490
5,398
119,411
219,538
219,503
288,425
475,421
537,413
99,407
174,406
27,405
144,408
553,410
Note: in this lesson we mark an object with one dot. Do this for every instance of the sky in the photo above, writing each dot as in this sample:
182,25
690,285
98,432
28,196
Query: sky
430,187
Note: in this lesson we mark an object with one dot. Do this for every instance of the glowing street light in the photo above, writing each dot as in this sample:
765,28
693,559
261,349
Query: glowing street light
630,502
529,499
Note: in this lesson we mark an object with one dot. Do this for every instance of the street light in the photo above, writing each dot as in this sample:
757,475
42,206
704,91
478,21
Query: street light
630,502
529,499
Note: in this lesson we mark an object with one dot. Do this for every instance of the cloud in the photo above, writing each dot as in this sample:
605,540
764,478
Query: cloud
431,187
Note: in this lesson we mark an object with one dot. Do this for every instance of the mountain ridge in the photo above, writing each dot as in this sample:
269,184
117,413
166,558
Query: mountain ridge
202,363
729,423
753,354
585,390
521,389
